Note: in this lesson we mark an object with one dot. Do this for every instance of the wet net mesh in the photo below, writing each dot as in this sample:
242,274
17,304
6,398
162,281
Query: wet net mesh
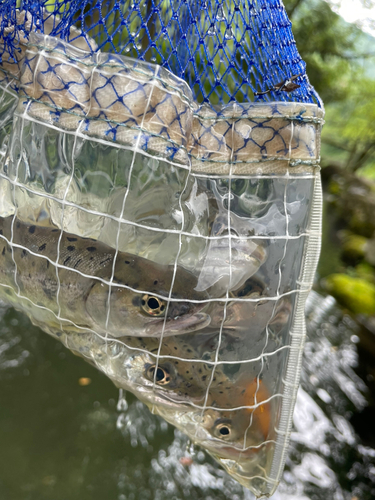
160,206
224,50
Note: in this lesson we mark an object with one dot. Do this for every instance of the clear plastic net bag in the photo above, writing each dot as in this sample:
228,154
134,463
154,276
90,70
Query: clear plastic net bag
160,213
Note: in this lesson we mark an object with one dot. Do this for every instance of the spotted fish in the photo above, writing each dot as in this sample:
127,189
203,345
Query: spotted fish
238,433
226,432
79,291
179,382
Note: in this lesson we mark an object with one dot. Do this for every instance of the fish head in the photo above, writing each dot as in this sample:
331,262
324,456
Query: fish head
241,426
164,366
147,299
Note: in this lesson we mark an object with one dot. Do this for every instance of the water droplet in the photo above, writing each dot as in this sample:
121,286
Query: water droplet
211,30
122,404
229,33
121,421
191,449
220,16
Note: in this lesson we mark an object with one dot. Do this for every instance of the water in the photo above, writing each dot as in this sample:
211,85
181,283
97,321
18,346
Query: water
59,436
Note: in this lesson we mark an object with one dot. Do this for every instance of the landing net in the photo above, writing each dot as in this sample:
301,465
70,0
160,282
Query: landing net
160,206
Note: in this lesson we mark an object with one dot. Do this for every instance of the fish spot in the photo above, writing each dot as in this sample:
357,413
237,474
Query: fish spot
3,252
127,262
200,370
136,301
71,248
204,377
33,263
23,254
77,263
156,282
69,238
189,350
91,249
32,229
18,224
66,260
54,230
104,261
42,247
176,362
48,292
91,258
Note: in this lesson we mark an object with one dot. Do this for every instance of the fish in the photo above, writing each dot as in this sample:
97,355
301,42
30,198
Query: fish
79,292
238,433
175,385
178,373
181,379
226,433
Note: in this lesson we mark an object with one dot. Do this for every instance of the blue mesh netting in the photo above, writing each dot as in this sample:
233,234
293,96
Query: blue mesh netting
225,50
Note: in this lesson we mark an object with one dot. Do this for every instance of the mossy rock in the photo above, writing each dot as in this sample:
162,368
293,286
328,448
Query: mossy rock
356,294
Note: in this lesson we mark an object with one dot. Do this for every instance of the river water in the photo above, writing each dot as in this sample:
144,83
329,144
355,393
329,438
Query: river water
64,435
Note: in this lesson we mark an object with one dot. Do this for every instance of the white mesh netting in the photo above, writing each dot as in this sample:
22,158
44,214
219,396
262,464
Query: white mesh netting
170,244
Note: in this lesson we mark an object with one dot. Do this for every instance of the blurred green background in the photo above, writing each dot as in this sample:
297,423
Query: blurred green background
341,65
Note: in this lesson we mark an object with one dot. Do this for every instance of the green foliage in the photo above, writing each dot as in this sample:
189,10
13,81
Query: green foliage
351,125
327,44
340,64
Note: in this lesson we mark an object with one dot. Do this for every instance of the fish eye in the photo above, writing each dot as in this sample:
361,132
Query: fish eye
153,305
162,375
223,428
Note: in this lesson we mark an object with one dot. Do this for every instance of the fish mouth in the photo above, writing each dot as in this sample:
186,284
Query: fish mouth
178,325
235,452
